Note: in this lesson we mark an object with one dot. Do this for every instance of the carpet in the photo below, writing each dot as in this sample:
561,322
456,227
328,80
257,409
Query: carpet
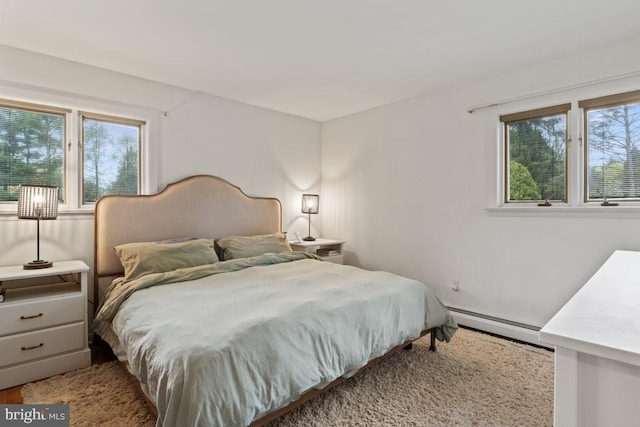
475,380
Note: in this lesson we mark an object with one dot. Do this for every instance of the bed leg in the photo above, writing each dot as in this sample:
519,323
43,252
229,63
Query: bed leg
432,346
408,346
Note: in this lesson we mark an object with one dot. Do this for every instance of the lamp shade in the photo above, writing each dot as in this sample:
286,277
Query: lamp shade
310,203
37,202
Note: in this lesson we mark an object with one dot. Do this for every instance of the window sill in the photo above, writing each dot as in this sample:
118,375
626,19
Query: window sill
590,211
6,215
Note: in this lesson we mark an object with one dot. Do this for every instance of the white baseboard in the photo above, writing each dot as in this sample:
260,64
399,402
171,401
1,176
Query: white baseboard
505,328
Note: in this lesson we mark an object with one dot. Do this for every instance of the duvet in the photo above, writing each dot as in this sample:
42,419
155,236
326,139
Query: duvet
228,343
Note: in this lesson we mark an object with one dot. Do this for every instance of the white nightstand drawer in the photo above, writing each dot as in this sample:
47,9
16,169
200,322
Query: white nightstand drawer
43,321
28,316
34,345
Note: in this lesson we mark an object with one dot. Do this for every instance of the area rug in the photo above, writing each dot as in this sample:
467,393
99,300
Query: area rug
475,380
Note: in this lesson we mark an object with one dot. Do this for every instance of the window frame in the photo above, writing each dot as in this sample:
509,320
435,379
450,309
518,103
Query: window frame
73,105
601,102
44,109
576,157
87,115
538,113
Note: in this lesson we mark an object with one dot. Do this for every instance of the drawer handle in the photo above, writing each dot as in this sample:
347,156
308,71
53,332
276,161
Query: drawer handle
31,317
33,347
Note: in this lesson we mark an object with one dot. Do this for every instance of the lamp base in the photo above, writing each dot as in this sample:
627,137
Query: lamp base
309,239
34,265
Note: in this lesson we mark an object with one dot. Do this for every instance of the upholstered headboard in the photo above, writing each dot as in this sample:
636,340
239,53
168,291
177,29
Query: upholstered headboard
202,206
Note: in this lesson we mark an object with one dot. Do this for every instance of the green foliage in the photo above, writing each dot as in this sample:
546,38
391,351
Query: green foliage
111,160
609,177
539,146
31,150
522,186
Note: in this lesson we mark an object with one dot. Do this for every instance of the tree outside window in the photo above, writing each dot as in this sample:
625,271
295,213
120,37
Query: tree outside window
613,153
31,150
110,158
36,147
536,148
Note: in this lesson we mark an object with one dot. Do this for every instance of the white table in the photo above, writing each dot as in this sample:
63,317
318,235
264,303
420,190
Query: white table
597,340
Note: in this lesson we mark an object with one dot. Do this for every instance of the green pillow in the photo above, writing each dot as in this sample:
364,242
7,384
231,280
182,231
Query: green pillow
234,247
143,258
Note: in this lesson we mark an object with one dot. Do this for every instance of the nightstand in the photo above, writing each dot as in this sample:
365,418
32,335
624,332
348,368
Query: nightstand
329,250
43,322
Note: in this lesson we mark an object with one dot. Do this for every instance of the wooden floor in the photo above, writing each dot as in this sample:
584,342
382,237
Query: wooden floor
100,353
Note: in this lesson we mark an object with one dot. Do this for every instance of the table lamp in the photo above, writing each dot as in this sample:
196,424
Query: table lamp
37,202
310,206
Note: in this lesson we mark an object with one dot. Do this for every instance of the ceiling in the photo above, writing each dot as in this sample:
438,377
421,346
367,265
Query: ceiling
319,59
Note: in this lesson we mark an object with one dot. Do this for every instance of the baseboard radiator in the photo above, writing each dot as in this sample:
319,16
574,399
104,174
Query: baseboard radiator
495,325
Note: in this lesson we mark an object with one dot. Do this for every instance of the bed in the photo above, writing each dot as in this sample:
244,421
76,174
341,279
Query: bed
240,331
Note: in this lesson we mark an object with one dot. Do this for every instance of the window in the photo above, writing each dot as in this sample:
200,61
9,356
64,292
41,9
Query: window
110,156
612,148
31,147
535,160
87,155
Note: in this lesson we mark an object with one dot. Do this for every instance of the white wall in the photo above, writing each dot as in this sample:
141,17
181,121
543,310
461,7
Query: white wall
264,152
407,185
